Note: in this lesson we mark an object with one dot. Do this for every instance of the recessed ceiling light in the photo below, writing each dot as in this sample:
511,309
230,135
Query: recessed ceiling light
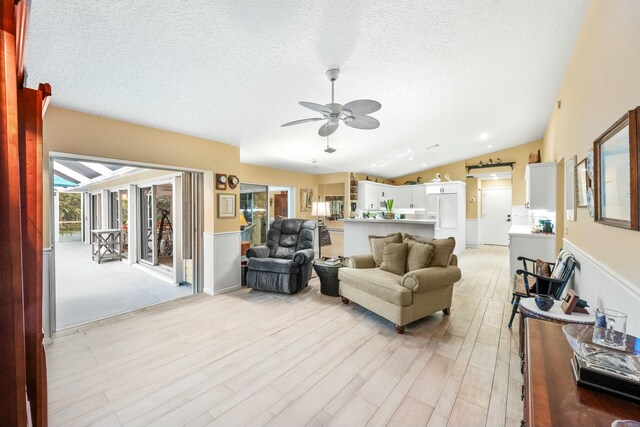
410,158
381,166
409,150
424,165
373,164
489,146
484,136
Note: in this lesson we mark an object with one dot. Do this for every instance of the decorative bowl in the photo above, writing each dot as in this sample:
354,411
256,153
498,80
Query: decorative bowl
580,340
544,302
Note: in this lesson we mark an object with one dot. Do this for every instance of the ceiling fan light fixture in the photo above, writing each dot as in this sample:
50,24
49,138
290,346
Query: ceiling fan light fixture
354,113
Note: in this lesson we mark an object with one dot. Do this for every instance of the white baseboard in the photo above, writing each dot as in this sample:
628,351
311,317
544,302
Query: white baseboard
229,289
600,286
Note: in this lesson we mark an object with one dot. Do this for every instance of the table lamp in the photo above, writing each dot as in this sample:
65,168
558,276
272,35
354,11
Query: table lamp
320,209
243,221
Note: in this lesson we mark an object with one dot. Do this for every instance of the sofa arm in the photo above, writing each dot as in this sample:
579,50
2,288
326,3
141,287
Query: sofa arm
361,261
454,260
258,252
429,278
303,256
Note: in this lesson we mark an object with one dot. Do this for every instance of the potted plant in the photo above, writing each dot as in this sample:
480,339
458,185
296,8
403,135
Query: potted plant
389,213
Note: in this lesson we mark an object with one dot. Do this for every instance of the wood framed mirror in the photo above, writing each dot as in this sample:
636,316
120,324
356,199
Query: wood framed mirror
616,174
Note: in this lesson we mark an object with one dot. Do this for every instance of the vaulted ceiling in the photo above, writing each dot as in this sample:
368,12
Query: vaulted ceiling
465,75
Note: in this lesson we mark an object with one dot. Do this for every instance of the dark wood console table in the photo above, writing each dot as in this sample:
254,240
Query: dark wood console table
551,395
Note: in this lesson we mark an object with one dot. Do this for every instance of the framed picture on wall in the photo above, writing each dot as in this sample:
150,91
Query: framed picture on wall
226,205
616,178
582,183
570,188
306,199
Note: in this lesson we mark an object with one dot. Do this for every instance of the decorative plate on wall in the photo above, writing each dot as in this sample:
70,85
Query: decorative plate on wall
590,164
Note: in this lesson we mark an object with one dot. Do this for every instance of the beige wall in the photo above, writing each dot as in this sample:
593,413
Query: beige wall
496,183
473,208
72,132
336,189
518,154
457,172
601,83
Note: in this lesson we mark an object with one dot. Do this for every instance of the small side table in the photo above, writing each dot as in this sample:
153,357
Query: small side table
528,308
106,245
328,275
243,270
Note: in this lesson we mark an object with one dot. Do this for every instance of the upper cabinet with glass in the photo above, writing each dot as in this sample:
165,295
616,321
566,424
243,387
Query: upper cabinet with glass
616,180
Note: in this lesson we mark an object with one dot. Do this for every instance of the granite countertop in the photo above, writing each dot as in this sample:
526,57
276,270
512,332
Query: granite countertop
396,221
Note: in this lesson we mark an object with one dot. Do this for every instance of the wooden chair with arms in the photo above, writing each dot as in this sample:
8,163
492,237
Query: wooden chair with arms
554,285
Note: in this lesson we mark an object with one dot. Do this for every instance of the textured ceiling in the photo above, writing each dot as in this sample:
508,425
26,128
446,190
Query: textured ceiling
233,71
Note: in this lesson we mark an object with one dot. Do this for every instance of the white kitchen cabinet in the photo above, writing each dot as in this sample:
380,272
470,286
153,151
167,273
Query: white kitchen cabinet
418,196
534,246
410,196
541,186
372,194
446,203
402,197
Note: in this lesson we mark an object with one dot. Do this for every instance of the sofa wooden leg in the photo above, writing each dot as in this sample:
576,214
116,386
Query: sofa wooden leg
400,329
345,300
447,311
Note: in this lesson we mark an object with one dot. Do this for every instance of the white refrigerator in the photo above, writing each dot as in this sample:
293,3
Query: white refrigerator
446,204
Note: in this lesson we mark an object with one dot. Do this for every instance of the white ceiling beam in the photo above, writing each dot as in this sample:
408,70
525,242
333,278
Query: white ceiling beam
97,167
70,173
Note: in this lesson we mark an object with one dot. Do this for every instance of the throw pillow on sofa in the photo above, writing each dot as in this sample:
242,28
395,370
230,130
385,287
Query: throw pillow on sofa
377,245
394,258
443,252
419,255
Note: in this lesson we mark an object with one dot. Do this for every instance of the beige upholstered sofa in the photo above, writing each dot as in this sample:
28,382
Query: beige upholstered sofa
400,299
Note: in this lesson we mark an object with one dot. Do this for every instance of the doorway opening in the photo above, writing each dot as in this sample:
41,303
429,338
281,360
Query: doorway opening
124,237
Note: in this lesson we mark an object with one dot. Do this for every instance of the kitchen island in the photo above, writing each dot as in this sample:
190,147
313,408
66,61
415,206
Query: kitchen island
357,231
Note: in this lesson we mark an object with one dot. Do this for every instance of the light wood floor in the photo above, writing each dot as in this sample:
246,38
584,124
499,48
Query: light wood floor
254,358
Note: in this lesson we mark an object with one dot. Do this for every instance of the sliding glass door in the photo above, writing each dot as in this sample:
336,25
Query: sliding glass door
148,236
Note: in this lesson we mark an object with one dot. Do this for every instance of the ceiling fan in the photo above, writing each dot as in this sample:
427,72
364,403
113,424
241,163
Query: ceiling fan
353,114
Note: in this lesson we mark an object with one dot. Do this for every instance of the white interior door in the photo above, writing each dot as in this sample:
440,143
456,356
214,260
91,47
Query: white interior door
496,216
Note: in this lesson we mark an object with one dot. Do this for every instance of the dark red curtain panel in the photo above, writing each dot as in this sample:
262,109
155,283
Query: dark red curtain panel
30,141
23,386
13,403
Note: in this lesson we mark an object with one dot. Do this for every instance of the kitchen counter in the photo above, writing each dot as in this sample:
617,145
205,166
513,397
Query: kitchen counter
522,242
525,230
357,231
401,221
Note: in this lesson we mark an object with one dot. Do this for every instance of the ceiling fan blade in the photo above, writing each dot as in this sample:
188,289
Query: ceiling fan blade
327,129
362,106
297,122
363,122
316,107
